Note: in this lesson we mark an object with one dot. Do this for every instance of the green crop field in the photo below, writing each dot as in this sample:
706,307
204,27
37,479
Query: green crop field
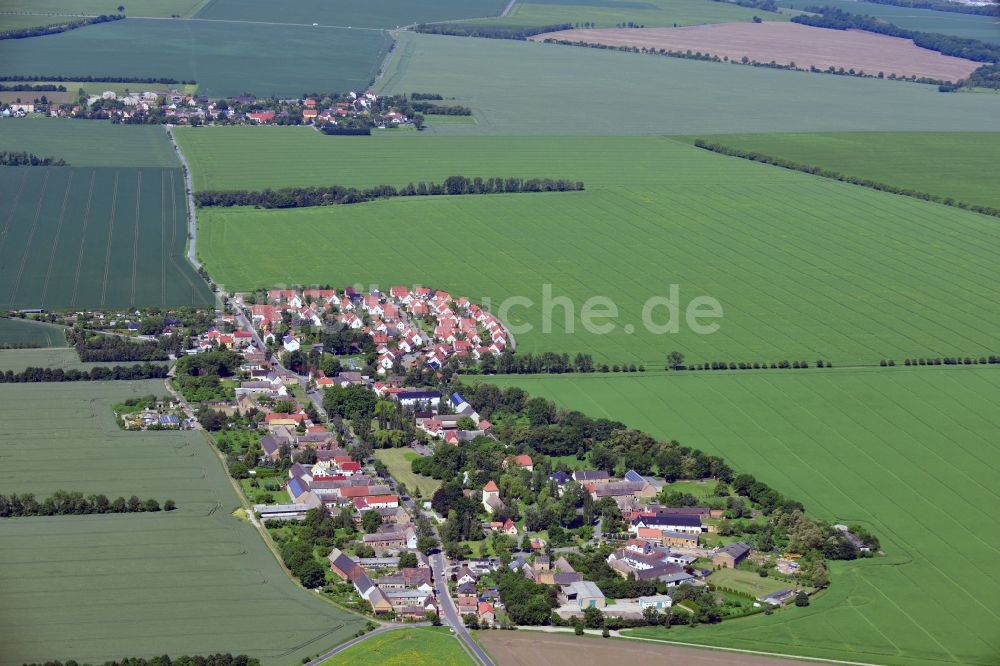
18,331
97,588
375,14
909,452
950,164
521,88
398,462
647,13
89,143
156,8
95,237
970,26
419,646
804,268
224,58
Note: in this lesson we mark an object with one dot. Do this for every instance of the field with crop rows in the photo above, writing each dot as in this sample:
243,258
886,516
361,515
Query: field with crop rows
77,141
95,237
804,268
609,13
949,164
374,14
96,588
910,453
17,331
223,57
520,88
969,26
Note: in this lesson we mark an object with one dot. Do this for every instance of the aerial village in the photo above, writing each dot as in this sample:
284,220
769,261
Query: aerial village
177,107
305,467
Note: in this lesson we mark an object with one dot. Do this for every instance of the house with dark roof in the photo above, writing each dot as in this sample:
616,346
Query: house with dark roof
730,555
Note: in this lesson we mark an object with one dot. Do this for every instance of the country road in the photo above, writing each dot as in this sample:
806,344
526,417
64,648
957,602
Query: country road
192,251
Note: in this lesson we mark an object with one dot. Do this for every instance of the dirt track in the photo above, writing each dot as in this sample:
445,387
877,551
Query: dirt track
785,43
530,648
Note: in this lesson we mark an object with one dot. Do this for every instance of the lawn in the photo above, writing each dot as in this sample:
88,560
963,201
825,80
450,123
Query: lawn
374,14
398,462
804,268
747,582
95,237
20,331
75,141
97,588
950,164
417,646
523,88
969,26
224,58
648,13
910,453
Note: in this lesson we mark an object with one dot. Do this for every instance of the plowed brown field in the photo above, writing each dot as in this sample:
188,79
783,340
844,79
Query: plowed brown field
785,43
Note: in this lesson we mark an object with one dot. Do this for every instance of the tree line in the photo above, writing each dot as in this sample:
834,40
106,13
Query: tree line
219,659
489,31
834,175
99,374
301,197
32,87
763,5
89,78
960,47
942,6
441,110
55,29
9,158
948,360
64,503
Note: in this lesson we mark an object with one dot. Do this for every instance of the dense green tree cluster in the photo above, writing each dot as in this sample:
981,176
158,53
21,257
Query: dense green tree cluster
104,348
63,503
303,197
317,531
526,602
8,158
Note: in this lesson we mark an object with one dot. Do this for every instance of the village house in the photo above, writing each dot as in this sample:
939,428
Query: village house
731,555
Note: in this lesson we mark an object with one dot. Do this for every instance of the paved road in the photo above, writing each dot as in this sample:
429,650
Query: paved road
440,564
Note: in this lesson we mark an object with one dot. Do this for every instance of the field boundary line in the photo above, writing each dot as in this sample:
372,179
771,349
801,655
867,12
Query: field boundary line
55,238
763,653
83,237
31,237
111,231
12,210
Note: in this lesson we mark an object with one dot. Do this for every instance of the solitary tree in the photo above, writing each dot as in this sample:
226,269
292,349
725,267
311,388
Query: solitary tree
675,360
121,9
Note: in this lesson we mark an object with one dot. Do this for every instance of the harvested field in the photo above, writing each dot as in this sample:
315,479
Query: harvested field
786,43
510,648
